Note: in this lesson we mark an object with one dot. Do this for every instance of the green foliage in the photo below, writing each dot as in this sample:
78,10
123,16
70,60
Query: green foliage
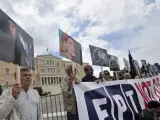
133,72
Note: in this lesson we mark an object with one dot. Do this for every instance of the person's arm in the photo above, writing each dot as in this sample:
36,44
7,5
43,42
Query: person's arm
66,87
7,102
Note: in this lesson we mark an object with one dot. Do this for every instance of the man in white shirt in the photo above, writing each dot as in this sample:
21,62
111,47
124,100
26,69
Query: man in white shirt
21,102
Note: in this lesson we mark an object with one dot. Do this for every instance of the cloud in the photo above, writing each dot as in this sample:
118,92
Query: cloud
113,25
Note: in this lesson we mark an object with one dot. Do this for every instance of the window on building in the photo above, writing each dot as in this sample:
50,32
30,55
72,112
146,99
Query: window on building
57,63
42,70
7,71
52,62
48,70
47,62
59,71
53,69
7,83
34,82
41,62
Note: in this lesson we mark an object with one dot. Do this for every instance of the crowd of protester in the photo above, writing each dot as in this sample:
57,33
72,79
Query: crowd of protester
69,95
21,102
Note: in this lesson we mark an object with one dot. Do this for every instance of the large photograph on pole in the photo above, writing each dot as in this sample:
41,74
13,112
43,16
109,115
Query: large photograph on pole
99,56
113,63
127,65
144,63
70,48
16,46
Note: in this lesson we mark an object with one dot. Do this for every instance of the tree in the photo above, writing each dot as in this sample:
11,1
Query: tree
132,66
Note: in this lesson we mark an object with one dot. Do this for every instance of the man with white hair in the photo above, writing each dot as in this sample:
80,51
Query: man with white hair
68,93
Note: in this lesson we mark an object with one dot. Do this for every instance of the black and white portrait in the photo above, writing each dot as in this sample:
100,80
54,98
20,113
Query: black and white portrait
144,62
99,56
113,63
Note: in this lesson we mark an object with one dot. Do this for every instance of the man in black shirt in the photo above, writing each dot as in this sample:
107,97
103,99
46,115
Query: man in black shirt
89,74
151,112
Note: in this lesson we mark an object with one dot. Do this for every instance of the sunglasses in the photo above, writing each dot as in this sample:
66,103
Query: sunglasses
106,73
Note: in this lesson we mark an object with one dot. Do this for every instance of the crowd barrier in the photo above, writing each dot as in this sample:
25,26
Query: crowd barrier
53,108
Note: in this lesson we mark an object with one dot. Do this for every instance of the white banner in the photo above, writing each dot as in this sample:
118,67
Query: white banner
115,100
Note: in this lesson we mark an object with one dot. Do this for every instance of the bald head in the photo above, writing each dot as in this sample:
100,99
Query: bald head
88,70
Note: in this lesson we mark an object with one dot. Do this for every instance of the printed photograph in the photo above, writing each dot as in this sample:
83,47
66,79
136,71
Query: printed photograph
99,56
16,46
70,48
113,63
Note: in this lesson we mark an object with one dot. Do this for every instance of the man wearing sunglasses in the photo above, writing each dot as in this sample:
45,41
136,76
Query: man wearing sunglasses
107,76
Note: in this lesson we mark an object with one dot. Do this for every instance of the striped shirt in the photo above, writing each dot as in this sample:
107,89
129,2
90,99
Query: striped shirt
27,105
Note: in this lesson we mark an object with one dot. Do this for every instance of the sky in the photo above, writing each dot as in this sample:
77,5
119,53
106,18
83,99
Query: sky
115,25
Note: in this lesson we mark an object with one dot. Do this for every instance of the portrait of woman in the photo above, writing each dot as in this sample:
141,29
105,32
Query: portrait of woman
67,46
113,63
99,56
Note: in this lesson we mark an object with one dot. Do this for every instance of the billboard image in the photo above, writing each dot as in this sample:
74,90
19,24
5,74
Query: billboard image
16,46
137,65
127,65
144,63
99,56
113,63
70,48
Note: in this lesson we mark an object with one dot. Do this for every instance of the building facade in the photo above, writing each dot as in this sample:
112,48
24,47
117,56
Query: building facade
7,74
49,70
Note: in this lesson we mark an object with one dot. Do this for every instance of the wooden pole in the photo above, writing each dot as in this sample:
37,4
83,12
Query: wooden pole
18,75
73,68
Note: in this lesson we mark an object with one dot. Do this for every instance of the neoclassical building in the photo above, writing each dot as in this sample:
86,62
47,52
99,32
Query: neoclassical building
49,70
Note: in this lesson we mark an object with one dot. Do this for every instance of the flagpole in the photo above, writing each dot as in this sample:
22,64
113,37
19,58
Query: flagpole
73,67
